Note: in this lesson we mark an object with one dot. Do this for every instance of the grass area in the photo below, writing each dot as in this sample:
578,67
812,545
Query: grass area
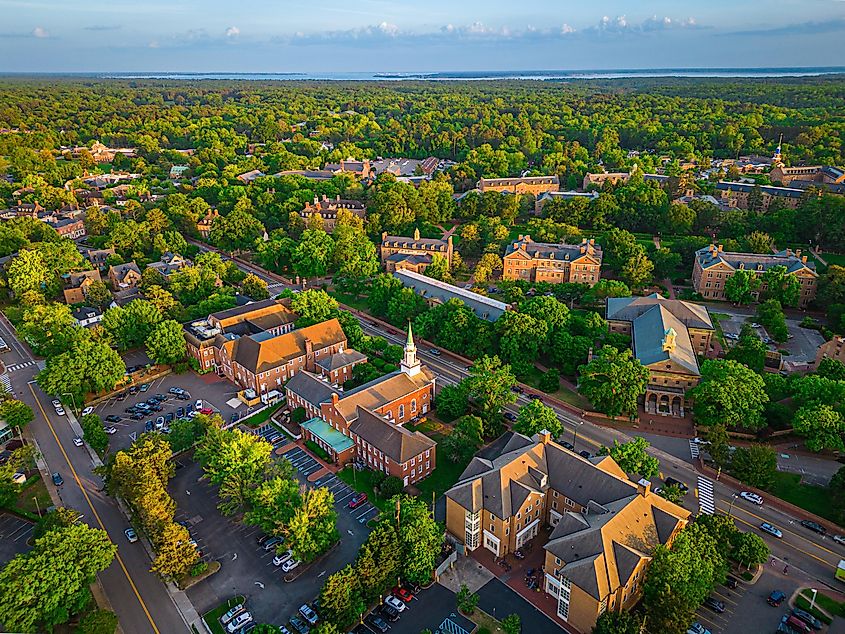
212,617
717,318
34,489
362,481
359,303
564,394
484,621
263,416
823,601
833,258
747,576
811,498
442,478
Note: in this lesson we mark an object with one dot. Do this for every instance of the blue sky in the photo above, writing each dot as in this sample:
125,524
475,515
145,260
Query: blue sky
415,35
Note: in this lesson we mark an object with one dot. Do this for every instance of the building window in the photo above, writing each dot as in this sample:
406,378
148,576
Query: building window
563,598
401,411
413,405
492,528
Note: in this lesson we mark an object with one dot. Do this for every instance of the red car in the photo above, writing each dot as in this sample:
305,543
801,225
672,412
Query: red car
402,593
358,500
206,411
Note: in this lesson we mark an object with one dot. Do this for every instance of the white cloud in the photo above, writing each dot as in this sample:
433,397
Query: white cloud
153,44
233,32
40,32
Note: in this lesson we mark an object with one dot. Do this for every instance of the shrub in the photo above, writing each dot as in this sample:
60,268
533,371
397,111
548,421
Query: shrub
198,568
390,487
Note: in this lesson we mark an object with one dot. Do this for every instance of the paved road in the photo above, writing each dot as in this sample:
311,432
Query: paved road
139,599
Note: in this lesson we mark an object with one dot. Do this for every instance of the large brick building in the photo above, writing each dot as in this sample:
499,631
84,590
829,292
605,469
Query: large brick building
400,252
739,195
328,208
713,267
555,263
372,416
667,336
604,526
535,185
821,174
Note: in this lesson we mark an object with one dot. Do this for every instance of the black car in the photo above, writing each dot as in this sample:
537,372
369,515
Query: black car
180,412
517,389
683,487
509,416
183,396
714,604
535,397
299,625
112,418
168,418
361,629
131,410
148,426
137,416
389,612
234,417
585,454
376,623
57,479
155,408
731,582
568,445
133,390
161,397
121,396
813,526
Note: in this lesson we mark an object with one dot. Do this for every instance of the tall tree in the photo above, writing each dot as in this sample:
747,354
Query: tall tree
174,552
312,530
535,417
379,561
633,457
756,465
88,367
613,381
166,343
420,537
489,385
729,394
741,286
822,426
273,503
749,349
340,599
782,286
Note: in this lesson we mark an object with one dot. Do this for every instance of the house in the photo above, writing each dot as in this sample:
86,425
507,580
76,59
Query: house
436,292
542,199
405,167
415,253
328,208
713,267
554,263
205,337
535,185
832,349
604,526
205,223
360,169
28,210
337,368
372,416
70,228
123,276
98,257
177,171
124,296
247,177
739,194
76,285
87,316
667,337
169,264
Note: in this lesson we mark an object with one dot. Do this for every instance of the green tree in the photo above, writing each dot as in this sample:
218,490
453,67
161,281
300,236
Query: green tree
49,329
729,394
489,387
93,433
749,549
672,493
452,401
56,519
554,313
97,622
17,414
466,600
756,465
439,268
637,270
741,286
550,381
570,351
770,314
175,555
749,349
238,230
382,290
535,417
28,272
633,457
822,427
830,368
466,438
622,622
666,263
312,530
88,367
340,599
782,286
313,307
100,296
47,585
379,561
404,306
512,624
613,381
759,242
313,254
520,337
718,443
129,326
420,538
166,343
605,288
254,287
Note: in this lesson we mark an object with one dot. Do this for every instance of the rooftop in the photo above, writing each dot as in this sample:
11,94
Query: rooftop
429,288
328,434
792,260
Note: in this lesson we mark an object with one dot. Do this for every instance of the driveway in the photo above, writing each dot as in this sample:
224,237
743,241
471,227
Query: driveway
802,345
499,600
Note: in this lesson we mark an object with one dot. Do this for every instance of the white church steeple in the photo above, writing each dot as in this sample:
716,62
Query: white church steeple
410,363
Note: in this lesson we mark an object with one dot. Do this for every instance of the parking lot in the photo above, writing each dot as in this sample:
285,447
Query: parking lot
14,532
718,623
215,392
802,345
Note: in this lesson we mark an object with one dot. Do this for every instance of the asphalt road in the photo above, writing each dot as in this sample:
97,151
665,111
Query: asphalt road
139,599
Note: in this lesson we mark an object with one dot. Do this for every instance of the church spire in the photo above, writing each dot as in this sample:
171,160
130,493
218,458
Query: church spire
410,363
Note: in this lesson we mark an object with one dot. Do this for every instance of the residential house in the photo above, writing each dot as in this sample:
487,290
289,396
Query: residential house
535,185
248,177
337,368
98,257
436,292
398,252
170,263
605,527
554,263
714,266
123,276
205,223
70,228
667,337
76,285
360,169
27,210
87,316
328,208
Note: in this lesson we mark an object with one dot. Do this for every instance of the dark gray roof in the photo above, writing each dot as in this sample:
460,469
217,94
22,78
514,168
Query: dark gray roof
562,252
310,388
341,359
664,522
660,336
784,192
627,559
396,442
711,256
629,308
410,258
582,573
431,289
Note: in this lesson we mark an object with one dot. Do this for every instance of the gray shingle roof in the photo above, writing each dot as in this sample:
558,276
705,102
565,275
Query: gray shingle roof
431,289
341,359
652,329
396,442
711,256
310,388
629,308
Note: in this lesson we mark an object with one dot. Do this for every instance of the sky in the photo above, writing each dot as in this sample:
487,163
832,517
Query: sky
265,36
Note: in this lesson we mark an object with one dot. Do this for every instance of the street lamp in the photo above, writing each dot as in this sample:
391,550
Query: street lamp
72,400
731,507
38,508
813,602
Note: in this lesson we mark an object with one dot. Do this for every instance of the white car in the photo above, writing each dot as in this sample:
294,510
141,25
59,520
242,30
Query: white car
751,497
56,403
839,539
697,628
238,622
19,478
198,405
278,560
232,613
77,441
393,602
131,535
87,410
111,429
290,564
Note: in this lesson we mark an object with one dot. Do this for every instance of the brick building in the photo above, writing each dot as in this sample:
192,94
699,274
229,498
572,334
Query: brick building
555,263
739,195
667,336
713,267
76,285
123,276
535,185
328,208
822,174
205,223
400,252
604,526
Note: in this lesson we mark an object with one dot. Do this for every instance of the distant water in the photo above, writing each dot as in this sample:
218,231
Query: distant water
540,75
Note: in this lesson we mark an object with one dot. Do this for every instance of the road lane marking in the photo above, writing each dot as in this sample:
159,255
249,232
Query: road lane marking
94,511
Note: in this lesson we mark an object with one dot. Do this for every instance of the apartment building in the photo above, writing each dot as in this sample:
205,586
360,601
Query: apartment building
328,208
739,194
401,252
604,526
554,263
713,267
667,336
535,185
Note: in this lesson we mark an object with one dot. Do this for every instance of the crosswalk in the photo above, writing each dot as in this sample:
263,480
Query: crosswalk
20,366
693,449
6,382
706,503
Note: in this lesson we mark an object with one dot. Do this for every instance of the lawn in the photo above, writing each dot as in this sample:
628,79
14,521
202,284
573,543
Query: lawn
362,481
442,478
33,490
823,601
717,318
833,258
262,417
811,498
359,303
564,394
212,617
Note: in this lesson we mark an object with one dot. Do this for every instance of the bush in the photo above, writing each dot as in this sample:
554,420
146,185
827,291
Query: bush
297,416
466,600
97,622
550,381
319,451
390,487
198,568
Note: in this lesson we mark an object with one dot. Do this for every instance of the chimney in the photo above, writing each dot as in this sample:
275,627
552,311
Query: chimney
519,238
383,236
416,234
335,398
797,253
545,436
643,487
804,259
720,248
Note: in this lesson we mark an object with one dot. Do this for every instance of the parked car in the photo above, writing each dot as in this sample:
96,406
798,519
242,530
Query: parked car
184,396
56,402
754,324
111,418
271,543
87,410
290,564
813,526
232,613
299,625
308,614
796,624
198,404
776,598
19,478
683,487
357,500
77,441
148,426
751,497
731,582
206,411
234,417
176,390
697,628
180,412
568,445
168,417
131,535
395,602
714,604
60,410
808,618
376,623
585,454
121,396
145,387
111,429
278,560
389,612
58,480
509,416
434,351
283,630
159,422
839,539
137,416
238,622
402,593
771,530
